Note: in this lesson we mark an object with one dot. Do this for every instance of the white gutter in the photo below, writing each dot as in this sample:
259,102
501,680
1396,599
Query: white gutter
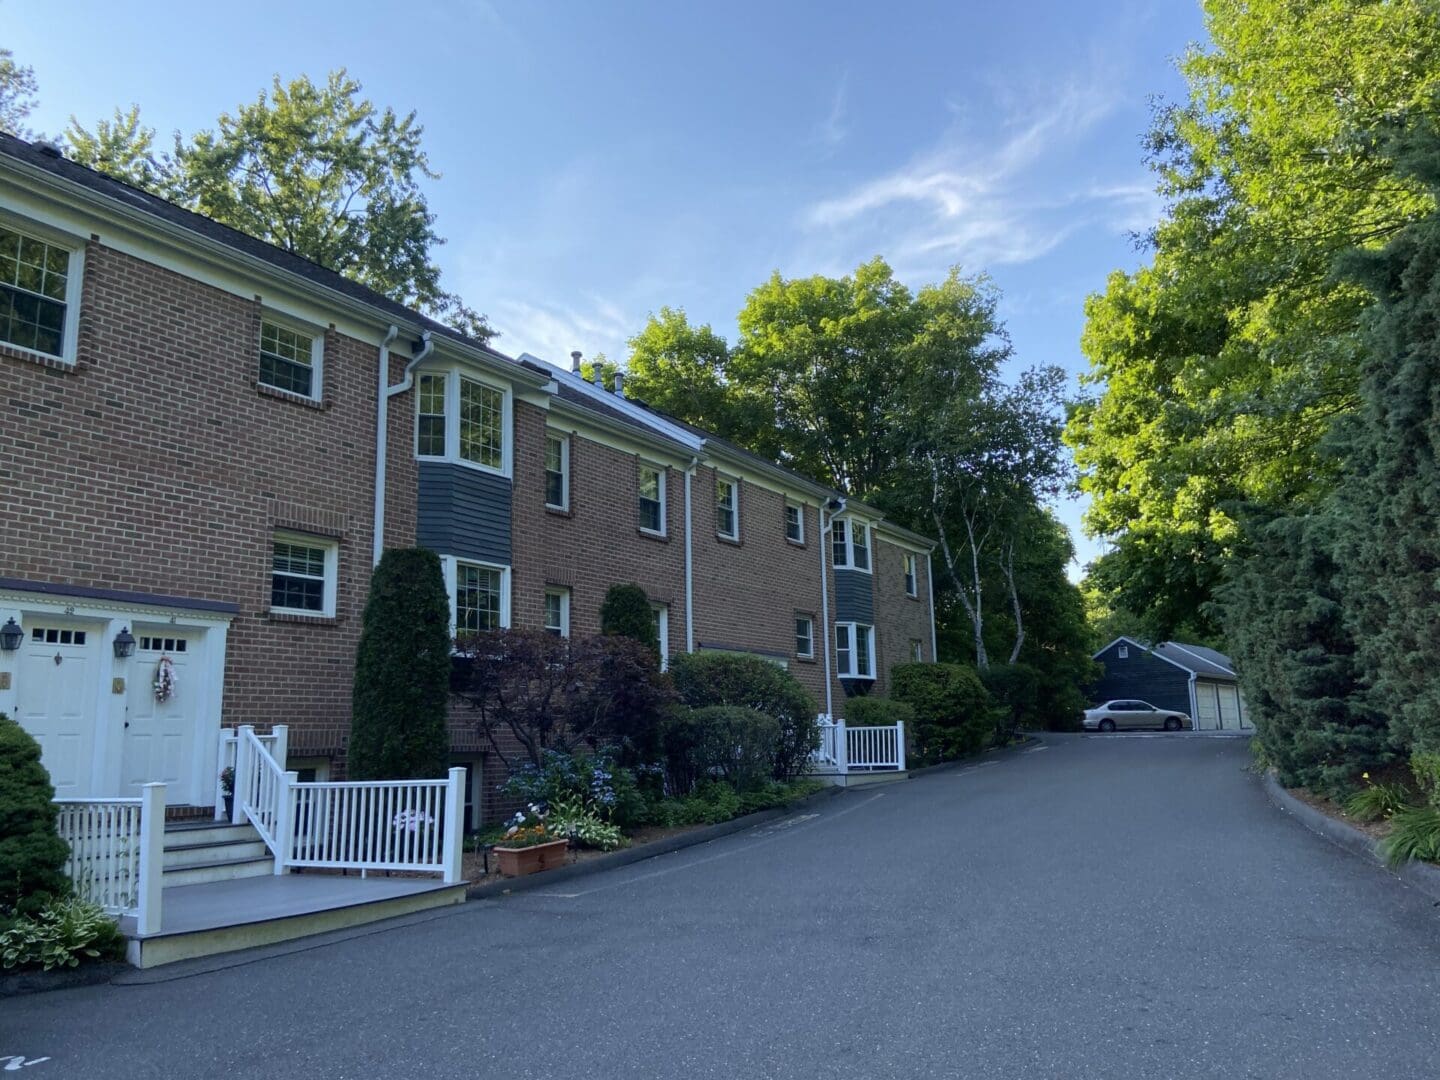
930,580
689,564
825,605
382,423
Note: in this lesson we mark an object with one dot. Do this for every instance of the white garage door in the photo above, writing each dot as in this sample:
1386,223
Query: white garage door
1207,707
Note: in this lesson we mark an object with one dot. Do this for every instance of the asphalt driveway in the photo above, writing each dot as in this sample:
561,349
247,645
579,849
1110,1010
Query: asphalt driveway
1101,906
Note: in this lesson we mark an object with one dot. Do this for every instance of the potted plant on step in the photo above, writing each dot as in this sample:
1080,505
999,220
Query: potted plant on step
227,789
528,846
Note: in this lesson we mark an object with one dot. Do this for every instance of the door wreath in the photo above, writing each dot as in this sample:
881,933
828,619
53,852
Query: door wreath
165,681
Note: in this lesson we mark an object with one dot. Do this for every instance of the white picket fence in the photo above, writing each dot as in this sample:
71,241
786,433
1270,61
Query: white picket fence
406,825
117,852
846,749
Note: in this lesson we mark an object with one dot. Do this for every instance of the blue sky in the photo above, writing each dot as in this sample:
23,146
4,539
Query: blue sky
600,160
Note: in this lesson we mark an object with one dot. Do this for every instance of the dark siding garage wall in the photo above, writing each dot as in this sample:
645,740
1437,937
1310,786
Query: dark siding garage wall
464,512
1142,675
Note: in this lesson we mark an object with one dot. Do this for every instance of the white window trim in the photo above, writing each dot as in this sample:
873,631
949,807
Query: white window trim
452,376
917,651
663,610
331,548
564,594
73,277
850,673
811,654
450,565
1124,652
564,441
720,478
849,564
317,353
800,513
664,483
912,575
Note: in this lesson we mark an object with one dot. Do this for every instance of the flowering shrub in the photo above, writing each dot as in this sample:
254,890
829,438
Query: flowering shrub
604,788
528,828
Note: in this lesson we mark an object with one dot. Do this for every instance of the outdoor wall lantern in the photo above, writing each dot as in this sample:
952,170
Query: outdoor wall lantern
124,644
10,636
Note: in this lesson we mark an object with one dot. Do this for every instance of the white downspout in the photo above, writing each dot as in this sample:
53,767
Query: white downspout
382,424
930,580
825,605
689,565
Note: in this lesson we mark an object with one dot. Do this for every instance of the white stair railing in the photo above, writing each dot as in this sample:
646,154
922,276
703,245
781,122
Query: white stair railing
407,825
876,747
117,853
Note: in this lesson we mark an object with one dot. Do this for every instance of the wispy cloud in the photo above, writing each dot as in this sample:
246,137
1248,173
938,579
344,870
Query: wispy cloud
983,202
832,131
551,331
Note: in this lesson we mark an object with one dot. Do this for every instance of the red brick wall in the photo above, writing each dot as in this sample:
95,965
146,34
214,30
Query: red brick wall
899,619
156,465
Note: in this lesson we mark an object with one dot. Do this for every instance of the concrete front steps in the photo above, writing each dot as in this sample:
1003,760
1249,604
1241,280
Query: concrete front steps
221,894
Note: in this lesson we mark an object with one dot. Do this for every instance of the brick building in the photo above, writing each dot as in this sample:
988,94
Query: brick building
188,428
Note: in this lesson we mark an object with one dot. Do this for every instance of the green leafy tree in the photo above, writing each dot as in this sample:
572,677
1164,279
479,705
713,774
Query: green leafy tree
316,169
1218,369
32,855
18,92
402,672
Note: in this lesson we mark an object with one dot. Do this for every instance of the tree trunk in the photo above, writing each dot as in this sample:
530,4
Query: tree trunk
1007,564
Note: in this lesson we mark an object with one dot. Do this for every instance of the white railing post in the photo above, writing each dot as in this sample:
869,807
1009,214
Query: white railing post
285,821
454,846
900,743
280,748
152,858
842,748
242,773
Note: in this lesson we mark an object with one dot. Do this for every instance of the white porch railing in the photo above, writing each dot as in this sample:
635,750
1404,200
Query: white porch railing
846,749
411,825
117,853
229,748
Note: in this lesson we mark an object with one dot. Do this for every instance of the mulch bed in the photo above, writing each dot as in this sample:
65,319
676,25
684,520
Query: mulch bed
1376,830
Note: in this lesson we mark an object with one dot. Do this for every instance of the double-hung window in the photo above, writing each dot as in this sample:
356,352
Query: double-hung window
661,614
479,599
850,544
557,472
430,422
289,359
302,575
462,419
911,579
854,651
727,508
557,612
36,293
794,523
652,499
482,424
804,637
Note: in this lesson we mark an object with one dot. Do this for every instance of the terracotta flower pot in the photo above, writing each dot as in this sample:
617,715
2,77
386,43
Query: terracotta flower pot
519,861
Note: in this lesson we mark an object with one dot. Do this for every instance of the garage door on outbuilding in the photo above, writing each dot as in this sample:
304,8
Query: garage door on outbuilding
1191,679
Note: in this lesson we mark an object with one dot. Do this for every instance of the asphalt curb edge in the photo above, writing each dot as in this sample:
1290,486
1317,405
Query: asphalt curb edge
1420,876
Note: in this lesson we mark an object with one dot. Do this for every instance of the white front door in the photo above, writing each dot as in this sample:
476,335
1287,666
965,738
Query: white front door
56,691
160,735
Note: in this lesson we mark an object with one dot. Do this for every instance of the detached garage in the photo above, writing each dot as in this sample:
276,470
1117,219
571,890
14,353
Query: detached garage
1185,678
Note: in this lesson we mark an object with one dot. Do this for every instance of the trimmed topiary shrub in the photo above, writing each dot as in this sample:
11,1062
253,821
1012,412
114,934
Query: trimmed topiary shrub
716,678
720,742
626,612
402,672
32,855
954,713
878,712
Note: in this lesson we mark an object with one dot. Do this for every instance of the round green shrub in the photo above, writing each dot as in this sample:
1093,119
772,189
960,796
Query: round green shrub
954,713
714,678
32,855
626,612
402,672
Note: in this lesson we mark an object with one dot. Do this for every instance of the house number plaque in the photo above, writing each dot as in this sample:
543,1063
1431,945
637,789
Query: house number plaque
117,686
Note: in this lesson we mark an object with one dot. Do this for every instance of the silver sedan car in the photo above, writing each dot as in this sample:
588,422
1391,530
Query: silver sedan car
1128,714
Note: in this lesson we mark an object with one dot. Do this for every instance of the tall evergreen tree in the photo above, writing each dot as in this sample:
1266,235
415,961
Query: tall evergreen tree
402,672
